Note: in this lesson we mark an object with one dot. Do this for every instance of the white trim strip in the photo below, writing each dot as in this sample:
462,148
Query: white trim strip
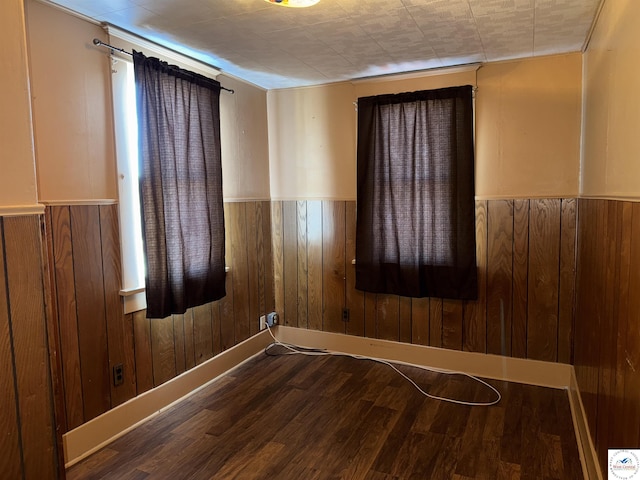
469,67
89,201
127,292
524,197
306,199
243,200
95,434
618,198
18,210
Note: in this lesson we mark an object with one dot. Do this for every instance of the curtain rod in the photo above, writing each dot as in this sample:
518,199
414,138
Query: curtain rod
100,43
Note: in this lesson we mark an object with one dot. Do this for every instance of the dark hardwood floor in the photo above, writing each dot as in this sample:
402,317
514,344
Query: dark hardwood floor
294,417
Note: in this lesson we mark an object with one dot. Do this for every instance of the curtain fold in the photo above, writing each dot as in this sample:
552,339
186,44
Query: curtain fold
180,186
415,233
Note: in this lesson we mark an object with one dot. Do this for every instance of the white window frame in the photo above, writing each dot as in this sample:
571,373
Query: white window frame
126,137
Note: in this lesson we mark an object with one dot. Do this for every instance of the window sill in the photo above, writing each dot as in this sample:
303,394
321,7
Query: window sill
135,300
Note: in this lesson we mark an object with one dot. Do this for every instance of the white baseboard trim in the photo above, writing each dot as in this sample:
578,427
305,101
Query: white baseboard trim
533,372
588,454
98,432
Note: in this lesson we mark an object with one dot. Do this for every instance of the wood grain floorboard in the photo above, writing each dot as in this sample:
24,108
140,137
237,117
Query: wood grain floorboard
293,417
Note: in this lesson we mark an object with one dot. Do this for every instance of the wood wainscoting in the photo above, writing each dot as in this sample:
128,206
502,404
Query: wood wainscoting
526,269
96,335
28,442
607,330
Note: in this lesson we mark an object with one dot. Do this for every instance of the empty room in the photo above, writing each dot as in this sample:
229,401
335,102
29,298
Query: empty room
320,239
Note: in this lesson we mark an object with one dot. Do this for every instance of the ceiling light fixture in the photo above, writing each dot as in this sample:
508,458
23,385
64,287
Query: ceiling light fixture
293,3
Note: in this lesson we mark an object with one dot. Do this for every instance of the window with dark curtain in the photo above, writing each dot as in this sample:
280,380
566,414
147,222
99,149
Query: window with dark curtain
415,233
180,186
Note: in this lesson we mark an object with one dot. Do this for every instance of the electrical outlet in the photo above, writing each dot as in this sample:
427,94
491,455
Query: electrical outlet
263,322
118,374
272,319
345,314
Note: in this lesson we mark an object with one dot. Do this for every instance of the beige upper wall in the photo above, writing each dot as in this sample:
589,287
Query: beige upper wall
611,142
528,116
244,141
75,147
18,179
312,142
313,131
528,124
528,121
72,112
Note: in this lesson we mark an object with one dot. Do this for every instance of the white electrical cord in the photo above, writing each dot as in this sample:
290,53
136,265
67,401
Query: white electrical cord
297,350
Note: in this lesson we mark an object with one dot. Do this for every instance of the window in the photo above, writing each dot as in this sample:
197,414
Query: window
125,128
126,135
415,233
180,186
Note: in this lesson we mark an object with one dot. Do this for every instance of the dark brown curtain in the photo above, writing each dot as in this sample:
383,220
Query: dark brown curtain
415,231
180,186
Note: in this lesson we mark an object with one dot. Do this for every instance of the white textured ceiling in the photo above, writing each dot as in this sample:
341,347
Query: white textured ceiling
276,47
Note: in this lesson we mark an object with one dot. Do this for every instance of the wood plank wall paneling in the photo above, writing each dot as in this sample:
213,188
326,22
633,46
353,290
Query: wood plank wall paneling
388,317
302,263
622,315
333,265
227,328
235,224
180,343
526,268
314,264
95,335
67,314
266,267
53,339
544,261
354,298
29,414
587,344
202,333
163,352
475,317
290,262
143,355
631,405
277,243
499,276
11,462
253,235
567,280
119,329
521,275
452,324
90,305
420,321
606,352
435,322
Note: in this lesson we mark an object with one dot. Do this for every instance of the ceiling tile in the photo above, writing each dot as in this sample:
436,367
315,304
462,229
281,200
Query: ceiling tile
276,47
